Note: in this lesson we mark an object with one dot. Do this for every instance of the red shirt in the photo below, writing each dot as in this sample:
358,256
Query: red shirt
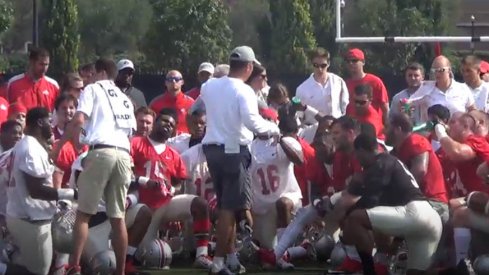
56,133
3,110
379,92
160,167
318,175
467,169
181,103
433,185
301,171
344,166
41,93
194,93
67,155
452,180
372,117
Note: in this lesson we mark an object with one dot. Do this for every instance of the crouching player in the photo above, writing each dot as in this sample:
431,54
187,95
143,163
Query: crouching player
277,194
154,161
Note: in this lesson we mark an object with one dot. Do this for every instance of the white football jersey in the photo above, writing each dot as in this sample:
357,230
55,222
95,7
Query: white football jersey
5,170
77,166
29,157
200,182
180,143
272,174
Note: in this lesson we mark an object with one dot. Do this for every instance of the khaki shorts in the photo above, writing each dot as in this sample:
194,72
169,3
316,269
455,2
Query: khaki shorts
34,243
177,209
106,174
417,222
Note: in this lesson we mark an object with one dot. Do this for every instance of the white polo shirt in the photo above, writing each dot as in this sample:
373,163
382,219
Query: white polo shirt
232,113
481,96
330,99
457,98
101,126
29,157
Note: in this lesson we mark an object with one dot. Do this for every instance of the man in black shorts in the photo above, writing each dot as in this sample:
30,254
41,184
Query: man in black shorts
390,203
232,118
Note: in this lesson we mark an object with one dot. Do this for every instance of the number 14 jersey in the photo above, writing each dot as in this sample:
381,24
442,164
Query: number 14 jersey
272,174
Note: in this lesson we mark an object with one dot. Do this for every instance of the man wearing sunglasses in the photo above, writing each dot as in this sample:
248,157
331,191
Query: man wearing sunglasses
362,110
443,90
174,98
125,69
355,61
324,91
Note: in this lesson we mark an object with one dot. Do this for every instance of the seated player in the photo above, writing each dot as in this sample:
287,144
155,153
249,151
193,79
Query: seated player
391,203
154,161
417,154
276,193
144,121
196,122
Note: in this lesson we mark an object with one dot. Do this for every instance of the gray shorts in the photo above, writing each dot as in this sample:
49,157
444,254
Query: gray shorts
230,176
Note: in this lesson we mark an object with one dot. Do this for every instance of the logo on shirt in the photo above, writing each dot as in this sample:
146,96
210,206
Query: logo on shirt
45,92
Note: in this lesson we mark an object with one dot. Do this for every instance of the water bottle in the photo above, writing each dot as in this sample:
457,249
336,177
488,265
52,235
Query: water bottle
406,105
425,127
296,100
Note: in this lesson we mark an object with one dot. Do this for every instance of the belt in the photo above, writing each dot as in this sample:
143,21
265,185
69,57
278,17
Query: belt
105,146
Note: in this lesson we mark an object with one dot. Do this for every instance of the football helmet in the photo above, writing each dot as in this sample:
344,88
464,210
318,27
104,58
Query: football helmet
154,254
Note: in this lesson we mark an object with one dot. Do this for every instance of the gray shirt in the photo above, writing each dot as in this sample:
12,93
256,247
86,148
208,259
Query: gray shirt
136,96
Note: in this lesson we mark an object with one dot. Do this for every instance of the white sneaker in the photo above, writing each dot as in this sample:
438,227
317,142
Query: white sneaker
203,261
284,265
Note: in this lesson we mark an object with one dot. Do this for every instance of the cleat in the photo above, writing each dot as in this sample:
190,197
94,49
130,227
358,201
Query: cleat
203,261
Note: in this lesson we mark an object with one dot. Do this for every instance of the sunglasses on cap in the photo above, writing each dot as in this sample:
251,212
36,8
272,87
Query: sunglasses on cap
173,78
361,102
439,70
322,66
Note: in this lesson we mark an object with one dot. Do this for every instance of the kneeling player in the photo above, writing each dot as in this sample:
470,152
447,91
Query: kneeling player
154,161
390,203
276,192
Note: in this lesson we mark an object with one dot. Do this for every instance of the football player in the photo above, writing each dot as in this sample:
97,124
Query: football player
154,161
196,123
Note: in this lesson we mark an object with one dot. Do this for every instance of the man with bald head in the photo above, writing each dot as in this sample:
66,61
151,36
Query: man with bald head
443,90
174,98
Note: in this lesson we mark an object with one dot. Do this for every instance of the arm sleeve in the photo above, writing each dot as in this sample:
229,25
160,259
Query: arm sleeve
85,105
248,108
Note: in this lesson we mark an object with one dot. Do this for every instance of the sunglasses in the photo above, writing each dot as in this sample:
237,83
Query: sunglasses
439,70
173,78
352,61
322,66
361,102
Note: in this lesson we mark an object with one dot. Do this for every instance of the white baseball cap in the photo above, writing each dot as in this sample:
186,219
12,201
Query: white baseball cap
124,63
206,67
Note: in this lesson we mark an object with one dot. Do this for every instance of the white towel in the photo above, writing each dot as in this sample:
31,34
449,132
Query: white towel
121,106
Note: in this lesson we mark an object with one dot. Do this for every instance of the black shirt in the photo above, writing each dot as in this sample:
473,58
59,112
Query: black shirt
386,183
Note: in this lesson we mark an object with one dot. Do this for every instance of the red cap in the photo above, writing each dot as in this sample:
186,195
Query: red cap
355,54
15,108
269,113
484,67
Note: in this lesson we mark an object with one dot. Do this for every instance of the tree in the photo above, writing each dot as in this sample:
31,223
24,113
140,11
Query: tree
6,15
113,27
292,35
60,35
397,18
323,18
184,33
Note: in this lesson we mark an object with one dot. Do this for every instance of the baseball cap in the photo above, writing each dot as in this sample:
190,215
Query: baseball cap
243,53
124,63
206,67
355,54
484,67
16,108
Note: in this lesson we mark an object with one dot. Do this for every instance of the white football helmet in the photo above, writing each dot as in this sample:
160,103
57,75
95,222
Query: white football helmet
481,265
154,254
62,231
103,263
324,246
338,255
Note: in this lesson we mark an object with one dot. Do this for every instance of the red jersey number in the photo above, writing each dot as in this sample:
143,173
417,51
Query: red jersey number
269,179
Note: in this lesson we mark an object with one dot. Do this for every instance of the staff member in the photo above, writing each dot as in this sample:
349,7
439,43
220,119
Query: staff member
107,117
232,118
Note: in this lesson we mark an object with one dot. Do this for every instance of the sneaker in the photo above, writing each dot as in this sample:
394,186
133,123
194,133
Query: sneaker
238,269
282,264
203,261
267,258
223,271
350,266
72,270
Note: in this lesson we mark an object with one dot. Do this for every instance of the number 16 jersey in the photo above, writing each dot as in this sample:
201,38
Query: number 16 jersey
272,174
